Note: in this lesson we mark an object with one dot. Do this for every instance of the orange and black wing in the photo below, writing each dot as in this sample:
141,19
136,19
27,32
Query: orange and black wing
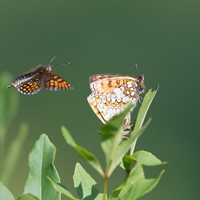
31,86
105,83
55,82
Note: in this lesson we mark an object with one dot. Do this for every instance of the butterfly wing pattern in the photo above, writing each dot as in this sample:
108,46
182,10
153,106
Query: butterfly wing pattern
107,82
55,82
31,83
111,93
31,86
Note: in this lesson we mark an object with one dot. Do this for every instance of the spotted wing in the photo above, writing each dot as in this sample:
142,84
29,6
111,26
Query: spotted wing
105,83
93,100
104,76
106,106
55,82
31,86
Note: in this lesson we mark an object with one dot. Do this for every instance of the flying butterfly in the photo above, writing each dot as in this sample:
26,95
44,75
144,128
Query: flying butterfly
31,82
112,92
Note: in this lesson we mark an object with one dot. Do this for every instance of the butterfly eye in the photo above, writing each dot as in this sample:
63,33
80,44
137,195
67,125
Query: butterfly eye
40,70
141,78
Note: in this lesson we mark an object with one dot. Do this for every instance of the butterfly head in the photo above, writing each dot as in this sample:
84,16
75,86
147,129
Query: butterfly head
41,69
141,86
141,78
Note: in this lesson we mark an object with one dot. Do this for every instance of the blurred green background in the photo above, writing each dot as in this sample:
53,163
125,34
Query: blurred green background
162,37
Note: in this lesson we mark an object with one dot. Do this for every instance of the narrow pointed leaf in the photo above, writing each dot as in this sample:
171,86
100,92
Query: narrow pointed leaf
63,190
5,194
41,160
147,158
122,149
144,108
112,126
142,113
27,197
86,155
142,187
112,133
84,184
13,154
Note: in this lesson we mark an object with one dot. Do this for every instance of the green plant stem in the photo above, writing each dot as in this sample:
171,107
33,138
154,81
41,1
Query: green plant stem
127,174
105,187
133,147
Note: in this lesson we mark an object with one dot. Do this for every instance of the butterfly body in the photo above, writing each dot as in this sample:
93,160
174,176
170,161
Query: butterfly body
111,93
31,82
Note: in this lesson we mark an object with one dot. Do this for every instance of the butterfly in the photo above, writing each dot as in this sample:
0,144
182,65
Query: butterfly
111,93
32,82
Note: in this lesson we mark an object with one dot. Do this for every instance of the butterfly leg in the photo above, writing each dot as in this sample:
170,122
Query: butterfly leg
130,126
124,137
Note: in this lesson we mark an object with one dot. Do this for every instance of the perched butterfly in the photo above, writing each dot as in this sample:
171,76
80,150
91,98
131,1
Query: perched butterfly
31,82
112,92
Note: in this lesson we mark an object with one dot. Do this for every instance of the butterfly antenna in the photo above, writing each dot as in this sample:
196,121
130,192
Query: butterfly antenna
57,64
136,69
51,60
65,63
62,64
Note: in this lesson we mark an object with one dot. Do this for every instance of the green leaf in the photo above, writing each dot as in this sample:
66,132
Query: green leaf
144,157
115,193
84,184
135,175
115,124
60,188
86,155
5,194
112,134
144,108
13,154
142,187
124,146
127,161
41,160
142,113
27,197
147,158
99,197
